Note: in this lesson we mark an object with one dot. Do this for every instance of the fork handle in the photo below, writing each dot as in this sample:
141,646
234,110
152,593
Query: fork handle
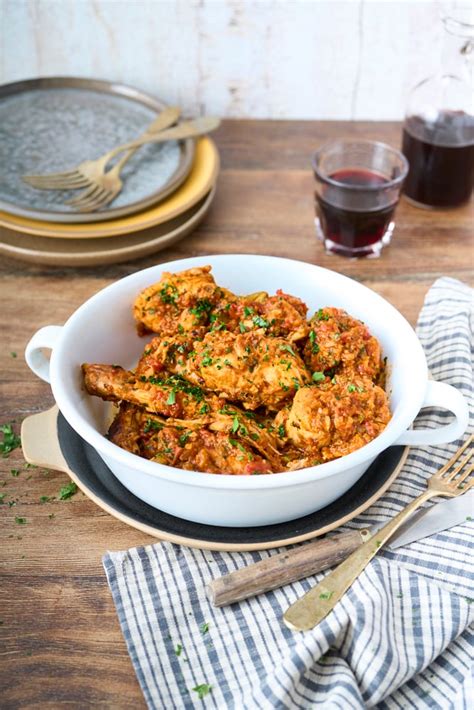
316,604
165,119
187,129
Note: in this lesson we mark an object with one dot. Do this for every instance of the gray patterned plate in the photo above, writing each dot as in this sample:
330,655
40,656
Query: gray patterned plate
50,125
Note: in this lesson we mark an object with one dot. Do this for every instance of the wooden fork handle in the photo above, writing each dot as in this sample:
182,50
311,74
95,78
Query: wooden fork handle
316,604
285,567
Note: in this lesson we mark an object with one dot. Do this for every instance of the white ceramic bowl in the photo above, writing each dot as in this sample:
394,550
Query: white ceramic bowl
102,330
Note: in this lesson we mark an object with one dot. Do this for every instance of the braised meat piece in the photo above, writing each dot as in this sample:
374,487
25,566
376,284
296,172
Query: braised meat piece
339,342
335,417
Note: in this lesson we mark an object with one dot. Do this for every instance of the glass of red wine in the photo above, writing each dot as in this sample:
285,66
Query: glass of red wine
358,185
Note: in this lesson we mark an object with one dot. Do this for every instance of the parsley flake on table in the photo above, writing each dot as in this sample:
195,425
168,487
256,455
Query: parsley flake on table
10,440
204,628
13,354
15,472
2,496
20,521
202,690
178,649
326,595
46,499
67,491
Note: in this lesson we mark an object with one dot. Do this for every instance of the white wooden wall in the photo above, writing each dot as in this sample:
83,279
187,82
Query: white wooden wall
319,59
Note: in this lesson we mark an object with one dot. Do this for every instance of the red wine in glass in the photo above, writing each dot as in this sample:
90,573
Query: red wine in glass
356,222
441,157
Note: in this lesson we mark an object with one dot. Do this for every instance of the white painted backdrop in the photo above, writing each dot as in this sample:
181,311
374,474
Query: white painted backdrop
318,59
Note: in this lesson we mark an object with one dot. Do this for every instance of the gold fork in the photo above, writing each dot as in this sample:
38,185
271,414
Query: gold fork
76,178
105,187
313,607
91,172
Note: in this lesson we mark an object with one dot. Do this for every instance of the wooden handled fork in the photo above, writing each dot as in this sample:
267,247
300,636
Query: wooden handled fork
315,605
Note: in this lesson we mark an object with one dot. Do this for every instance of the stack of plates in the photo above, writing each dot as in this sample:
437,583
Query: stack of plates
50,125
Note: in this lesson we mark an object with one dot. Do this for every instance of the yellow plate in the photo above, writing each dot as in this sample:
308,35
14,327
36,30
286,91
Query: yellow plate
200,180
94,252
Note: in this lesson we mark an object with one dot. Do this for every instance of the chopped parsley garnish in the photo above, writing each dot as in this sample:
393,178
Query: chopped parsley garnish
226,410
152,425
281,431
351,388
178,383
248,311
10,440
180,329
13,354
2,496
260,322
234,442
183,438
202,690
320,315
20,521
171,397
242,328
15,472
318,376
235,424
178,649
168,294
204,408
314,345
202,308
46,499
67,491
206,361
288,348
204,628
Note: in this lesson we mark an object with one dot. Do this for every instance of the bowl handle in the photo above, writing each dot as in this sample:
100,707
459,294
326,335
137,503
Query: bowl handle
35,358
439,394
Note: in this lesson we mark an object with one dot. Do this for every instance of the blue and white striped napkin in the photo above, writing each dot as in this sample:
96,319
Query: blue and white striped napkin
399,638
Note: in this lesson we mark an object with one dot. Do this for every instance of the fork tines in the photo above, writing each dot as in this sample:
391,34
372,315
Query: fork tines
461,468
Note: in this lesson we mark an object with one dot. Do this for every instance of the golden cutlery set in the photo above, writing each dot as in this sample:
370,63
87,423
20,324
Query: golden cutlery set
108,174
101,186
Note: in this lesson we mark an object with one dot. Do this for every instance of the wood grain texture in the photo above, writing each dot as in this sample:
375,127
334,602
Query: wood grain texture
60,640
286,567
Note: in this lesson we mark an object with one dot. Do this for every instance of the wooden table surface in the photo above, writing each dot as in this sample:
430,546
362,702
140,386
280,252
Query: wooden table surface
60,641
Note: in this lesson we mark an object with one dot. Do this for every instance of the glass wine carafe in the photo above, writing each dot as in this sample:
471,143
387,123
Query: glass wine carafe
438,133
